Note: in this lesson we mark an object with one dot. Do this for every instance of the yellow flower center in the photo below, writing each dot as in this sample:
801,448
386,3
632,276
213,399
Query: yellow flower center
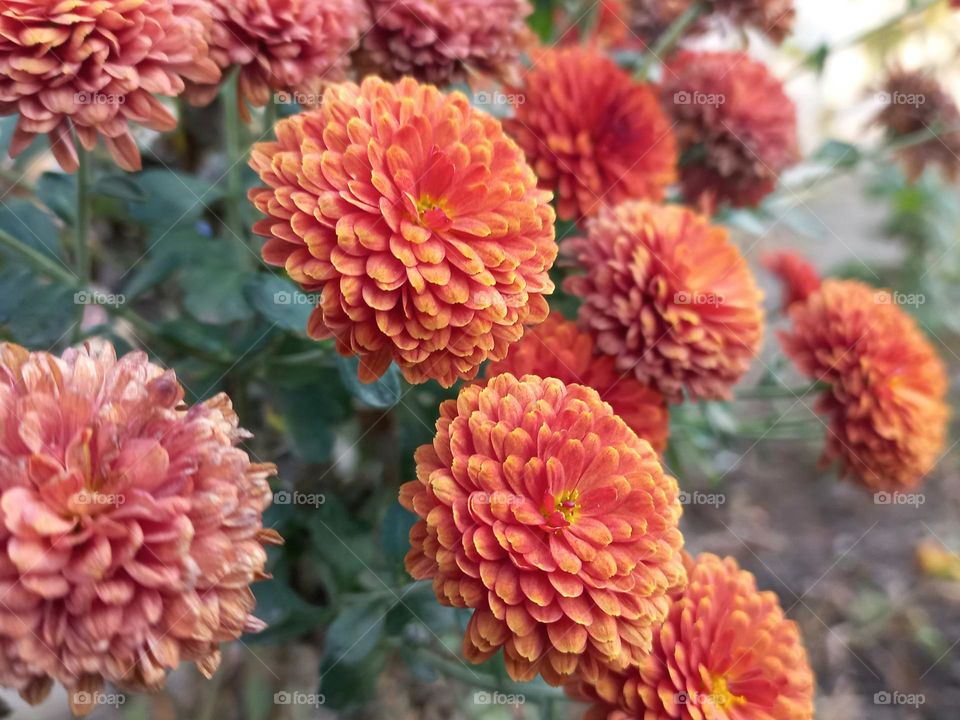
426,204
721,696
566,504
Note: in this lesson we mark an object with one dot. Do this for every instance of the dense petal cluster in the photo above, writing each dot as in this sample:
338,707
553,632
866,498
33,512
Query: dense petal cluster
669,297
798,276
131,524
416,218
541,510
93,67
886,401
556,348
292,47
735,125
914,102
439,41
726,650
593,134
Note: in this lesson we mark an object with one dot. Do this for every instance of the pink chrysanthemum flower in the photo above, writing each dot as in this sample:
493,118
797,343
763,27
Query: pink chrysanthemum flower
290,46
131,524
440,41
94,67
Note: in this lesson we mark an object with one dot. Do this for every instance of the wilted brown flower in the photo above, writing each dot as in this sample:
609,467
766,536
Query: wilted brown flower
94,67
669,297
132,525
736,128
914,102
886,400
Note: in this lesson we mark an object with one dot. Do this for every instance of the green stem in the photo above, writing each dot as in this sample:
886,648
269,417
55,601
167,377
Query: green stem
39,260
232,132
670,37
270,115
82,247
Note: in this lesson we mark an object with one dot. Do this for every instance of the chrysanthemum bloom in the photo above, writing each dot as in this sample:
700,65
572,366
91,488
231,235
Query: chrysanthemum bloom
542,511
726,650
886,402
94,67
417,219
736,128
131,524
593,134
669,297
288,46
556,348
914,102
441,41
798,276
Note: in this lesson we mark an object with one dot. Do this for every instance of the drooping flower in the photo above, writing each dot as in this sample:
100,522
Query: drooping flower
798,276
441,41
131,524
556,348
669,297
735,125
886,402
593,134
416,218
543,512
95,67
726,650
288,47
914,102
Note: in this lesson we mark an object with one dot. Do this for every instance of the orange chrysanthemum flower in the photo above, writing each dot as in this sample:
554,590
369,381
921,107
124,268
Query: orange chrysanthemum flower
542,511
593,134
798,276
417,219
726,650
93,67
736,127
558,349
290,46
441,41
669,297
131,524
886,402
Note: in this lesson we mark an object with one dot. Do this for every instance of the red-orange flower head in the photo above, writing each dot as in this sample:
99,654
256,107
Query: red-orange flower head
736,127
542,511
287,47
886,404
441,41
94,67
594,135
798,276
416,218
669,297
726,650
130,524
556,348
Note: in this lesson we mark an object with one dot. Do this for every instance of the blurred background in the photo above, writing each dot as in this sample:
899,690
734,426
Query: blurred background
875,587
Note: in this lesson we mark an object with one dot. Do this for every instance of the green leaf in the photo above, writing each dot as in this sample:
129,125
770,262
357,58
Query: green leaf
383,393
286,614
58,192
172,198
343,685
280,301
122,186
838,154
395,533
310,407
357,630
213,294
30,225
